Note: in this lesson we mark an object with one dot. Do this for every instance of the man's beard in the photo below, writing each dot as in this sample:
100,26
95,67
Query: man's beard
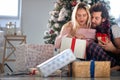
101,29
94,26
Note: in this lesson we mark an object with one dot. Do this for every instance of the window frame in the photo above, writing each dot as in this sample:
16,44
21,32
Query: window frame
13,17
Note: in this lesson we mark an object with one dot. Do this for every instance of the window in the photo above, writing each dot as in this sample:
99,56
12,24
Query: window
115,8
9,8
115,4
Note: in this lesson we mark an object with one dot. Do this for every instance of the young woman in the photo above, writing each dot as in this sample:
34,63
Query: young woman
80,19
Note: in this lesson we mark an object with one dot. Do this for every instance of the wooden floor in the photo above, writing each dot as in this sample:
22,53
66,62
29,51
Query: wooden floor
56,78
115,75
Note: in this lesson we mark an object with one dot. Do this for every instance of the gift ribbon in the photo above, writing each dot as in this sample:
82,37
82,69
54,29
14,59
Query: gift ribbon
73,44
92,68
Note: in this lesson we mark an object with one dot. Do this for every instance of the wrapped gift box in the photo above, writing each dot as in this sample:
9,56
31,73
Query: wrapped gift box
56,62
78,46
102,36
88,33
30,55
84,69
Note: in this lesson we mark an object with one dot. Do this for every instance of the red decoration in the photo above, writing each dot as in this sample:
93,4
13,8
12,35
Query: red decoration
73,3
51,31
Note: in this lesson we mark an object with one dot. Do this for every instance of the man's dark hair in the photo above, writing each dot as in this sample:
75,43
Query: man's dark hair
100,7
105,26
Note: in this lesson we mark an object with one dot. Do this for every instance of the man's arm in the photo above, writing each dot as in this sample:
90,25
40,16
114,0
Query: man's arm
116,35
117,44
109,46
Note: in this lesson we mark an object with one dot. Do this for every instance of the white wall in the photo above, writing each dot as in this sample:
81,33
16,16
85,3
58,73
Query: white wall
35,15
34,20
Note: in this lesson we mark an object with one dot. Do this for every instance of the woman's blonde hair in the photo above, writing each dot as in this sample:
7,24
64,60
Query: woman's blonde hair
75,23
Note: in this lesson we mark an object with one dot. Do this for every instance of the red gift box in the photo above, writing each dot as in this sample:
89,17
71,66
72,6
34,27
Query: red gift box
102,36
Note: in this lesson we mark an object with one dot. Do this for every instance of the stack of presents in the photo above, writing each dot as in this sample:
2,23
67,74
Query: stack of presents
39,60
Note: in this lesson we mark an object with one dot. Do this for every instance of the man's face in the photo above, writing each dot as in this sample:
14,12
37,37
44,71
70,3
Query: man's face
96,19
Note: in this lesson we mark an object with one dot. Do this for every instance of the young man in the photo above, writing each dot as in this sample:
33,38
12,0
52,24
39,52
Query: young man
110,49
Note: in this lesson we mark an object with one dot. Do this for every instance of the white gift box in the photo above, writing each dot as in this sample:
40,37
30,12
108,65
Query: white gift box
56,62
78,46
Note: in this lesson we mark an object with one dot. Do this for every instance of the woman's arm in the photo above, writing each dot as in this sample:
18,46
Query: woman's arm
117,44
65,32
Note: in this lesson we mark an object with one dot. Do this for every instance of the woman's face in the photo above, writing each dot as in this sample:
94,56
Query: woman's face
81,17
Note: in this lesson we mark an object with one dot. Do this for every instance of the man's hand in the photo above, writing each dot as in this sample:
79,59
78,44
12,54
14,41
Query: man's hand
108,45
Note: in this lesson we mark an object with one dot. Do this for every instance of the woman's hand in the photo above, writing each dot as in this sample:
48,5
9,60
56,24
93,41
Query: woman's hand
68,35
80,36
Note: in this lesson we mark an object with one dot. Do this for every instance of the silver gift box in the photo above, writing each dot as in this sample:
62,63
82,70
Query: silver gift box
57,62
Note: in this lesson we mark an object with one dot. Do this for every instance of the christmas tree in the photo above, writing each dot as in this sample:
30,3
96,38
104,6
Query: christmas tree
62,14
59,16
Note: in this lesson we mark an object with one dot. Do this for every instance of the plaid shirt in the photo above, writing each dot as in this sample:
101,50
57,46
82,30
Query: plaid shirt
95,52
